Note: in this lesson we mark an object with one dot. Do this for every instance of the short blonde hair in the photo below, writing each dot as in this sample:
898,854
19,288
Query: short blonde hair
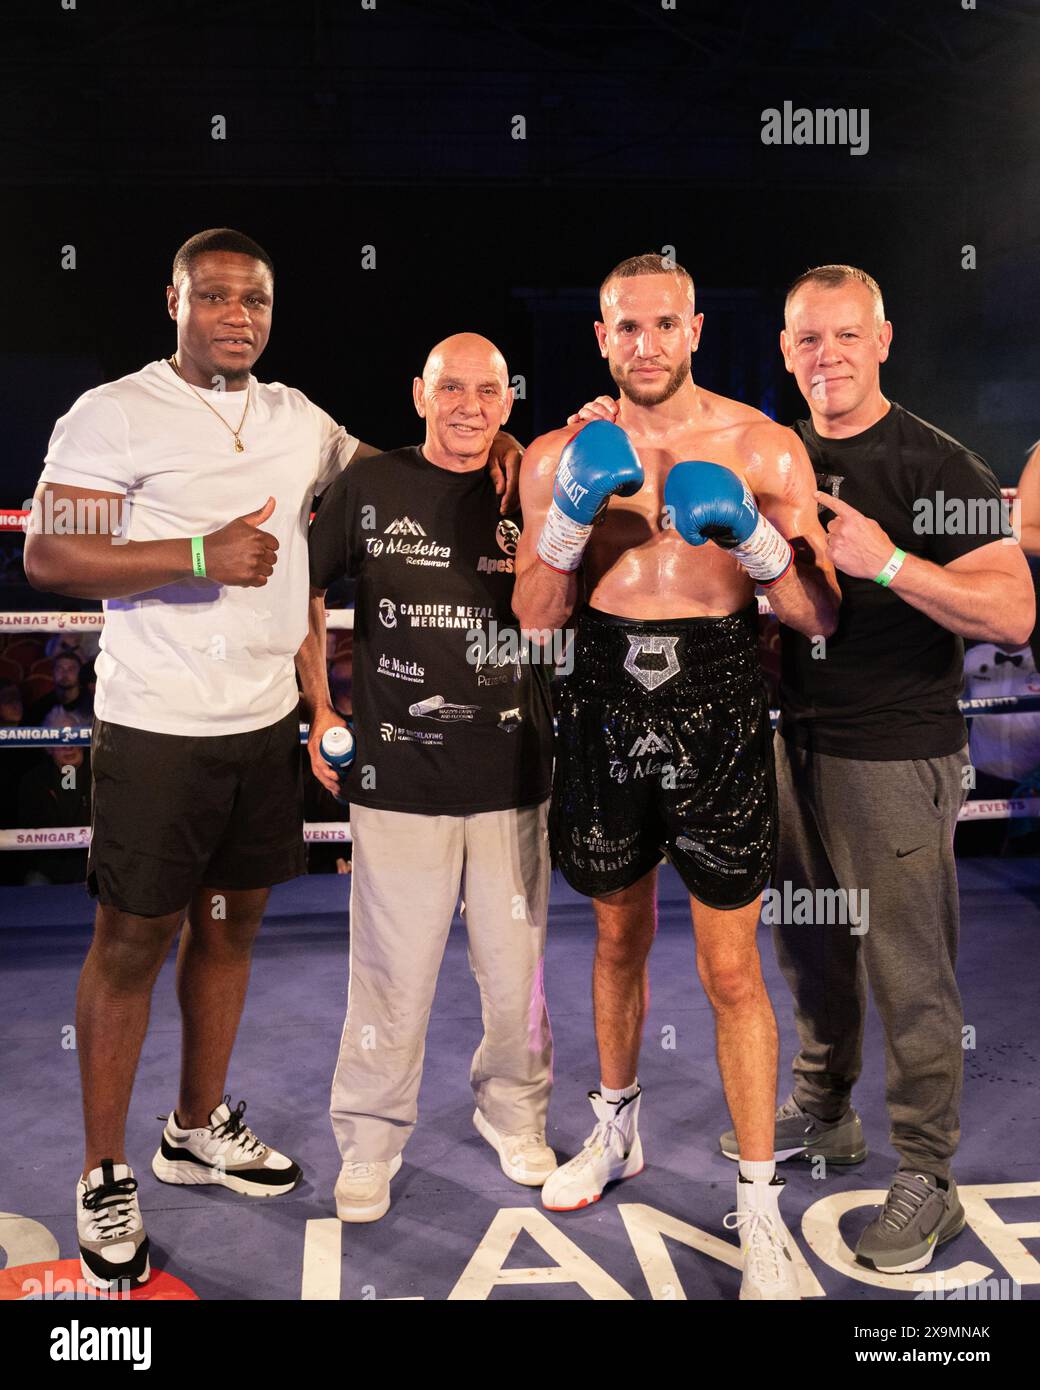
652,263
831,277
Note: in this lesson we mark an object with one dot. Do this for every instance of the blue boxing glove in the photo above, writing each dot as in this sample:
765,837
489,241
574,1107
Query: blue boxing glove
710,503
598,462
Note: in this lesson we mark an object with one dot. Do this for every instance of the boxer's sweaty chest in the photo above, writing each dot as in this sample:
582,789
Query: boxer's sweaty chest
637,564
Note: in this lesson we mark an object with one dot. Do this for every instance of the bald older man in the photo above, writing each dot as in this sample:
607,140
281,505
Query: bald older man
449,788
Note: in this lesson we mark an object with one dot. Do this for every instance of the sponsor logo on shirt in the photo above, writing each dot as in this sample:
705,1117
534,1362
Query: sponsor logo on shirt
509,720
403,526
437,707
400,670
508,676
415,552
394,733
828,482
498,663
387,612
507,533
454,615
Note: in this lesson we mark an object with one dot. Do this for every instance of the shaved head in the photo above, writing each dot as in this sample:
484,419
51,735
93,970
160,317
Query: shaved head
470,349
465,398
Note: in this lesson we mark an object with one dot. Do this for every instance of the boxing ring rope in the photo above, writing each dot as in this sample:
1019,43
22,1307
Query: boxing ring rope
328,832
39,736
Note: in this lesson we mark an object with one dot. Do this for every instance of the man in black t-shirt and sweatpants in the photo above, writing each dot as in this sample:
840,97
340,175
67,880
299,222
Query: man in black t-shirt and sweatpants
450,784
872,763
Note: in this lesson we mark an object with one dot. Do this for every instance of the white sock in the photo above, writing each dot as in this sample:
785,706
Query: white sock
615,1097
762,1171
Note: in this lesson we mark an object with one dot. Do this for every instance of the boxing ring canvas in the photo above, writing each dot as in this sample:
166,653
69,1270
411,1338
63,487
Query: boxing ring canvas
457,1228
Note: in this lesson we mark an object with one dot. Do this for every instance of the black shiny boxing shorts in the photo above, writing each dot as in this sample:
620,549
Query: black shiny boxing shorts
664,748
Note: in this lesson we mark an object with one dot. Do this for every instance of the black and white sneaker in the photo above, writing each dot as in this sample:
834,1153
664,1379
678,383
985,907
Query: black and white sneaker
113,1248
225,1152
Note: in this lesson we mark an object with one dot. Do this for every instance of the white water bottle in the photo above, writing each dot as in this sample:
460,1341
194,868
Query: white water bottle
337,748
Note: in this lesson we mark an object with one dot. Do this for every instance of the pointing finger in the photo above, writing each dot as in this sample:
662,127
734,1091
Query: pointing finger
835,504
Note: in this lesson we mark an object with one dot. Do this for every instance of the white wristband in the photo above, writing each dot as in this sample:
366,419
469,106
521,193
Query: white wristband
562,542
766,555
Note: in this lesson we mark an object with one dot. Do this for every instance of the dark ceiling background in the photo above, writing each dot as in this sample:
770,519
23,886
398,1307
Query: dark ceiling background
390,127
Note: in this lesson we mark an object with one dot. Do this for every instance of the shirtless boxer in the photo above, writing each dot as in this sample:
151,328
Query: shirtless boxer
664,744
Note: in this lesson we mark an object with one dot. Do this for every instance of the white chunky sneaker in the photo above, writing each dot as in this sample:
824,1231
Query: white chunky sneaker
765,1242
525,1158
113,1248
363,1190
227,1152
611,1152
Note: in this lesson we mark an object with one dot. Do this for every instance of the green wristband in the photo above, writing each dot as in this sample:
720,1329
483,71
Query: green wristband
198,558
891,569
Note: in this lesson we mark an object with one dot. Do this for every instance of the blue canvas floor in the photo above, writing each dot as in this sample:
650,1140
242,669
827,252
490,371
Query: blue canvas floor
457,1226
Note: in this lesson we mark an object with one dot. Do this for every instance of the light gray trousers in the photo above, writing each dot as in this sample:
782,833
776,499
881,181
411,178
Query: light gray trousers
886,827
408,871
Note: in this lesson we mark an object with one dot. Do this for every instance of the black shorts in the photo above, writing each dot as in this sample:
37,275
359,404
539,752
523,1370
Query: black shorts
664,747
173,813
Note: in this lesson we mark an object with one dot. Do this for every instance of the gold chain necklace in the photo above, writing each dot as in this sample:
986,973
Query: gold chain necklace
239,446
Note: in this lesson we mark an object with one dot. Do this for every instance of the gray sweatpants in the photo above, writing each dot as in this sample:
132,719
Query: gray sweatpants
886,827
408,871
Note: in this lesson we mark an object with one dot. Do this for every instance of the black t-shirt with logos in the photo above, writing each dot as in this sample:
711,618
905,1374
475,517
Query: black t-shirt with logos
449,717
887,685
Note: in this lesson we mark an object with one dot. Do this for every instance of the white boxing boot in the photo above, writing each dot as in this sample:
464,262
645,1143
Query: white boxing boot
765,1242
611,1152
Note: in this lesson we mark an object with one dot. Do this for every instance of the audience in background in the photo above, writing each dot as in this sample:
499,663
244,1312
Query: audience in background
71,695
12,708
55,792
84,644
49,788
16,763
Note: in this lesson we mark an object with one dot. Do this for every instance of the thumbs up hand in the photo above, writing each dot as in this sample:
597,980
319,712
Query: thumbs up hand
240,553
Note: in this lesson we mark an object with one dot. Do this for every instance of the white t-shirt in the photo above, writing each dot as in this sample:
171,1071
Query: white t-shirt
196,657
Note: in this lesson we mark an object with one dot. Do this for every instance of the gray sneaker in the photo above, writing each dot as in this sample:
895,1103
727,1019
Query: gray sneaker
800,1135
918,1216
